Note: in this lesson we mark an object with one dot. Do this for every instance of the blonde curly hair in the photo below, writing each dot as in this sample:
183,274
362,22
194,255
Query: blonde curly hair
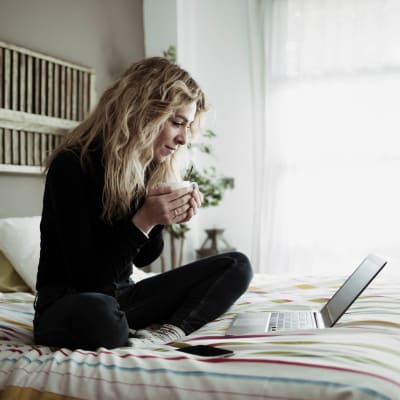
124,125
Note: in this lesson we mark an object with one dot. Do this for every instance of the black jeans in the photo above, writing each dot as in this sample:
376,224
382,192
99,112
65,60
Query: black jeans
188,297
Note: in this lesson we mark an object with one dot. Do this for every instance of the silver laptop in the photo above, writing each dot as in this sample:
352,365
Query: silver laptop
275,321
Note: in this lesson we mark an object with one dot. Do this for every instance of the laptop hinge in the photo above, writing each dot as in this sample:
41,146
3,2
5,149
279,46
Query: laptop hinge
319,322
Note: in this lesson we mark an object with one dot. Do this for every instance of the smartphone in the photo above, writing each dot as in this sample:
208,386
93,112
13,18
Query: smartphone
206,351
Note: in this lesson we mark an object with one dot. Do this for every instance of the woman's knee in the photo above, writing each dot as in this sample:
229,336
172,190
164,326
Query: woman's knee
243,264
242,267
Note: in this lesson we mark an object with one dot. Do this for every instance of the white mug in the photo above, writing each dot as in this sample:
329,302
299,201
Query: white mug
178,185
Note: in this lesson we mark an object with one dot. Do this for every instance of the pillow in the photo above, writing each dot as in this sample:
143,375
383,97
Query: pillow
20,243
10,281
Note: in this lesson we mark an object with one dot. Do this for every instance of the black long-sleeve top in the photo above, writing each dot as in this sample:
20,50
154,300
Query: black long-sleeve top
79,249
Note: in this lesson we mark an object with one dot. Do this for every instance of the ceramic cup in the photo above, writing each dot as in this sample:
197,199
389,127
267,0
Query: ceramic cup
178,185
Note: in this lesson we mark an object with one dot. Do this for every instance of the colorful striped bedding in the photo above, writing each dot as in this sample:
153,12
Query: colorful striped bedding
358,359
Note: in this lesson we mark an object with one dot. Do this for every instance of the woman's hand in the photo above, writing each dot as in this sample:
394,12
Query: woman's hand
195,203
167,206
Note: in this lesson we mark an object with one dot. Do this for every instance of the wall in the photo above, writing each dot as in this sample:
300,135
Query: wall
217,51
105,35
212,43
160,26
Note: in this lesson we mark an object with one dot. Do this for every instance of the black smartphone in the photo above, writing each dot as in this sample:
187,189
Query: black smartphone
206,351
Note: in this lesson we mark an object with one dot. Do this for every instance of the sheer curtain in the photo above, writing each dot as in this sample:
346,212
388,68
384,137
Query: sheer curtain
327,96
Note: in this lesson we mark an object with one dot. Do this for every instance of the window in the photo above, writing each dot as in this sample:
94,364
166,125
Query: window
332,134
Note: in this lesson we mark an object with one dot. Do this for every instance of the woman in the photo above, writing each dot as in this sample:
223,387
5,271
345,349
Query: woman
103,210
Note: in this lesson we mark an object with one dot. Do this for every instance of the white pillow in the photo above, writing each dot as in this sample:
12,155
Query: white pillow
20,243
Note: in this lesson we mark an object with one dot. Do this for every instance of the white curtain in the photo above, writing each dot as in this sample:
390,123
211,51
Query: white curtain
326,108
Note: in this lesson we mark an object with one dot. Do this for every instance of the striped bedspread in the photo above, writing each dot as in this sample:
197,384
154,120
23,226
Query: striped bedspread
358,359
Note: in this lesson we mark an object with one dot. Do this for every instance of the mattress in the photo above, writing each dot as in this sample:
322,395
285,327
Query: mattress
357,359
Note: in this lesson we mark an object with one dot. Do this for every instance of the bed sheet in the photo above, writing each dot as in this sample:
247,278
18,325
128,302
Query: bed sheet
357,359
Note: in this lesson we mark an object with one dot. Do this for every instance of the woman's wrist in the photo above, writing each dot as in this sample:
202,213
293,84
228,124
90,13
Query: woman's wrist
140,221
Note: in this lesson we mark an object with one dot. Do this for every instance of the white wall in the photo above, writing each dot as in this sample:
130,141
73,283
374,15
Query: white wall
105,35
212,43
160,26
221,64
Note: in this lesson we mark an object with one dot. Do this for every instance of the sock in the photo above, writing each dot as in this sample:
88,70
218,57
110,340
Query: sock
156,334
132,333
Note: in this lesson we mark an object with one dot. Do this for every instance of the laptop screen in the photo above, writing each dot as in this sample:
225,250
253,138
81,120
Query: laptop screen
351,289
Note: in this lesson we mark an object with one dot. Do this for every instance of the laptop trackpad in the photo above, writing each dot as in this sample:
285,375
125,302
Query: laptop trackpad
251,323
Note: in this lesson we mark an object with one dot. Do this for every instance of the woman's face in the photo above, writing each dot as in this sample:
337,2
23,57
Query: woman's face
174,132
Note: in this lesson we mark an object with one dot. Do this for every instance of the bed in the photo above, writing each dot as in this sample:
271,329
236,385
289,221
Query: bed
358,359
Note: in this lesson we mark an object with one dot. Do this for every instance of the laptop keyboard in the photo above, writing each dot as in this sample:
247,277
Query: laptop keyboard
285,321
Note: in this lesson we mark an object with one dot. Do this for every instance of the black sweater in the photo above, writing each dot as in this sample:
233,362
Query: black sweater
79,249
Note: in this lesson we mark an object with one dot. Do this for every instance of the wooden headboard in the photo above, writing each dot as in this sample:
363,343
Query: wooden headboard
41,98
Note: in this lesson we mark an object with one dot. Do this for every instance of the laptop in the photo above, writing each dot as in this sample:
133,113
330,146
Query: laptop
284,320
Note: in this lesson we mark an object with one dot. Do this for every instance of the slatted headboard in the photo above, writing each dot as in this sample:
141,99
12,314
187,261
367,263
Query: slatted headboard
41,98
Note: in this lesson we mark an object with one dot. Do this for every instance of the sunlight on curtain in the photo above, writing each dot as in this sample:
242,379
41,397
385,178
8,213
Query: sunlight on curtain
332,166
